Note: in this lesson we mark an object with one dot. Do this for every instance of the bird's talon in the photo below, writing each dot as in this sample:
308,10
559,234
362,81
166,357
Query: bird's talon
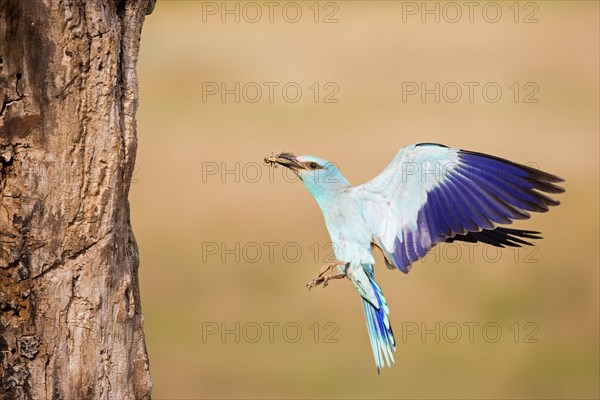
314,282
320,279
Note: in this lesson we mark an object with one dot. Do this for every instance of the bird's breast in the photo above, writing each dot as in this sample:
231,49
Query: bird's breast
350,237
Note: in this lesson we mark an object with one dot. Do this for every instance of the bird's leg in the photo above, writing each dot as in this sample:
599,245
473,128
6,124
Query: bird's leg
330,277
321,279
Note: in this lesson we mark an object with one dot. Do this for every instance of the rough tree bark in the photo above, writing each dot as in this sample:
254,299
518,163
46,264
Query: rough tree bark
70,317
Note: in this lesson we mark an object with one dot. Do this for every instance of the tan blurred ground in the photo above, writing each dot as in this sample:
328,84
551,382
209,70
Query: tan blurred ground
369,53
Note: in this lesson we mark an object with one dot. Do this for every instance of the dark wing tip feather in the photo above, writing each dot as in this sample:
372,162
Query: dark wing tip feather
523,233
545,186
533,173
499,237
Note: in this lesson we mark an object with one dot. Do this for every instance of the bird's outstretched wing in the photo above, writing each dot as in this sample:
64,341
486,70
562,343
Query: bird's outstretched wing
431,193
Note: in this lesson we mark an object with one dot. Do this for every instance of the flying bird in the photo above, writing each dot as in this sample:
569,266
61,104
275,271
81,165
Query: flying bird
428,194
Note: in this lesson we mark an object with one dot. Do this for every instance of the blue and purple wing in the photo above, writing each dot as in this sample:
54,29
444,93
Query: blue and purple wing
431,193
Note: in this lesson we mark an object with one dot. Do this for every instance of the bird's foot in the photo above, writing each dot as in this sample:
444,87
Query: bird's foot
323,279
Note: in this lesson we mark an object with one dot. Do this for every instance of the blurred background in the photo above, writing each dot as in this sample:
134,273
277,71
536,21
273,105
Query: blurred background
227,244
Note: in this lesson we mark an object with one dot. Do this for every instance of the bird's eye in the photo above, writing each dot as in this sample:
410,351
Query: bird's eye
313,165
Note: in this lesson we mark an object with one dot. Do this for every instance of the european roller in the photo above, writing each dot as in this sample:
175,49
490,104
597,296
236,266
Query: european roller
428,194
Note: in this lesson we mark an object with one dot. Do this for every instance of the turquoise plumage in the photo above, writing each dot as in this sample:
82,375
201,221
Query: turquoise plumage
428,194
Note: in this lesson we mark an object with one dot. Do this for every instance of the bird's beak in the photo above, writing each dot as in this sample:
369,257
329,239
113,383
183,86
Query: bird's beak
286,159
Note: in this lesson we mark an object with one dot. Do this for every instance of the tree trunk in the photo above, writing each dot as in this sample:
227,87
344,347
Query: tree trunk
70,316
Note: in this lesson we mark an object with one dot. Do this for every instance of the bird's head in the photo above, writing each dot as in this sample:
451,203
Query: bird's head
320,177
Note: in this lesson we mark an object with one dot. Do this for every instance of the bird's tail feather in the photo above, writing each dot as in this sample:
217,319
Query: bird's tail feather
382,339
